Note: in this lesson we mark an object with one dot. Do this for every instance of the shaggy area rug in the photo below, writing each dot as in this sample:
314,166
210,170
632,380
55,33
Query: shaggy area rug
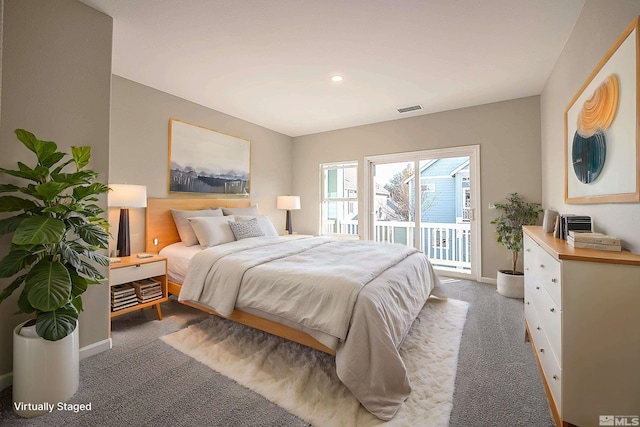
304,381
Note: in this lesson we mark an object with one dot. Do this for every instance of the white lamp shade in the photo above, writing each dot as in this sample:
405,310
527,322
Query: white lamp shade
127,196
288,202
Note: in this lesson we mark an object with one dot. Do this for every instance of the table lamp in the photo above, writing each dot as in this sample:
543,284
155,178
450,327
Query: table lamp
289,203
125,196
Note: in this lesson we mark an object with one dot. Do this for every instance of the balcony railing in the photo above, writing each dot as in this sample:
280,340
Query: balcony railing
448,246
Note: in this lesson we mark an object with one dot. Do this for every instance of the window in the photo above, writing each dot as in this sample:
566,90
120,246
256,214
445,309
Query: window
428,213
466,204
429,187
339,199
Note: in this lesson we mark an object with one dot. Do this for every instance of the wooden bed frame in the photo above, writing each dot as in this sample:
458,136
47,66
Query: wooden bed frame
160,225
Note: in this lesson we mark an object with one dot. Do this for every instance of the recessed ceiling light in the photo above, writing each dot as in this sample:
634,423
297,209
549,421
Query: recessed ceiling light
337,78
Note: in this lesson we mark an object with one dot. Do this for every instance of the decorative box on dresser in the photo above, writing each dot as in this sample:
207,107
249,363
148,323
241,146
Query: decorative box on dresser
582,312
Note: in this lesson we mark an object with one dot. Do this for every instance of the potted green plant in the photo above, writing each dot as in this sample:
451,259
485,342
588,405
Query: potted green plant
56,232
515,213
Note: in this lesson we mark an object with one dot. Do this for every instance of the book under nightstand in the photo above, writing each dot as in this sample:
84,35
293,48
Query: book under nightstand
137,283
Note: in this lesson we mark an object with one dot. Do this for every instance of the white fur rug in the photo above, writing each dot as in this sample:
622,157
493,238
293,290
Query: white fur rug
304,381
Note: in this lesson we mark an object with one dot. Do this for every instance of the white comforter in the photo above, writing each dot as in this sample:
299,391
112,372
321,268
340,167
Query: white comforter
365,294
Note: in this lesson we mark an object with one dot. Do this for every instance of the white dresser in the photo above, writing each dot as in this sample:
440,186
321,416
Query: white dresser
582,311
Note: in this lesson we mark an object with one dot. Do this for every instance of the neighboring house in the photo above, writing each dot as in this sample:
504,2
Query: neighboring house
444,185
384,206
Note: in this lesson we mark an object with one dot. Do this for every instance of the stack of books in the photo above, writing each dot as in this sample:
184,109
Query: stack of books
594,241
147,290
569,222
123,296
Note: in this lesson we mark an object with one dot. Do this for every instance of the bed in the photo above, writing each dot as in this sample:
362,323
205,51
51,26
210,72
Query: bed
358,311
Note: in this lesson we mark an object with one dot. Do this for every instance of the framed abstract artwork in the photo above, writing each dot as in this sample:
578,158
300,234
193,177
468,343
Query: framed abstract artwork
202,160
602,148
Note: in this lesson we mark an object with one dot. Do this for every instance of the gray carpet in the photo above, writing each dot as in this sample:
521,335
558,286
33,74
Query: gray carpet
143,381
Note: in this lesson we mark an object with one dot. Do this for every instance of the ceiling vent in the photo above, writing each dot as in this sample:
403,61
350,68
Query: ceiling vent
412,108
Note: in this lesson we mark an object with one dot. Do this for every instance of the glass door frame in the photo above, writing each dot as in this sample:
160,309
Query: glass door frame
471,151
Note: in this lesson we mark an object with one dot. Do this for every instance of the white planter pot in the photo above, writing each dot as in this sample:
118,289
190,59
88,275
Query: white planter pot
44,372
511,285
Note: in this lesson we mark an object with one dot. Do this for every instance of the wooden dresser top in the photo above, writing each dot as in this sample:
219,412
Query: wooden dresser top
563,251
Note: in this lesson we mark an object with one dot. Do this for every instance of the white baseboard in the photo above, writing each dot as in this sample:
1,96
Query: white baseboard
7,379
489,280
95,348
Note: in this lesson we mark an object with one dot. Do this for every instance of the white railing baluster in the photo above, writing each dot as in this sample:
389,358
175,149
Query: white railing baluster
446,245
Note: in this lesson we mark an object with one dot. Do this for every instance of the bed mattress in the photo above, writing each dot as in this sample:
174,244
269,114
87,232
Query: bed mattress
357,297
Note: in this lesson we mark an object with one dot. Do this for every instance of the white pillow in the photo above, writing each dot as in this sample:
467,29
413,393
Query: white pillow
267,227
252,210
181,217
212,231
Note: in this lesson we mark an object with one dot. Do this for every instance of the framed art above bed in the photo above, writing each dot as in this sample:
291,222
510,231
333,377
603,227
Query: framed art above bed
202,160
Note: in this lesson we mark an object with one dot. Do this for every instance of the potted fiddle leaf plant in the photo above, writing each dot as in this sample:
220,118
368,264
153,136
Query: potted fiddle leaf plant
57,233
515,213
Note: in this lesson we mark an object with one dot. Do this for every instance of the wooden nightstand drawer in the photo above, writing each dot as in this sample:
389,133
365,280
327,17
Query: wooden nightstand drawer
133,272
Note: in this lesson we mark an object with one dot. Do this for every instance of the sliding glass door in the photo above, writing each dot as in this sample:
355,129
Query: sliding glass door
427,200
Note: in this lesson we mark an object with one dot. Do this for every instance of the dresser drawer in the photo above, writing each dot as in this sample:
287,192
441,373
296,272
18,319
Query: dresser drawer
550,275
550,368
532,317
531,250
137,272
549,318
543,269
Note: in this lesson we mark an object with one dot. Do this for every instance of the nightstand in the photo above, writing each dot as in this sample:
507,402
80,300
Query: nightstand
131,269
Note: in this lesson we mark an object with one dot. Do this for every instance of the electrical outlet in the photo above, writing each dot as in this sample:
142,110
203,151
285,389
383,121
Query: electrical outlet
492,206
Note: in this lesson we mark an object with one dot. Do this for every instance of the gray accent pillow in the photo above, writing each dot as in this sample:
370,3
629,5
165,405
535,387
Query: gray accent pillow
264,222
212,231
181,219
250,211
246,229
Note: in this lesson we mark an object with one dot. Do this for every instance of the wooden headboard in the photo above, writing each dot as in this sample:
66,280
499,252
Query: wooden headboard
160,221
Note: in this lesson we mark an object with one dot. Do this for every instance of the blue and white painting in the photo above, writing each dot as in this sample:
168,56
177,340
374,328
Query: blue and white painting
205,161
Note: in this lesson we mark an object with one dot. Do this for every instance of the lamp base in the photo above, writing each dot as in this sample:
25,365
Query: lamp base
289,228
124,244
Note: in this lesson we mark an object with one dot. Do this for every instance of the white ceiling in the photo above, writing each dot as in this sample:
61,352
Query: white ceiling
269,61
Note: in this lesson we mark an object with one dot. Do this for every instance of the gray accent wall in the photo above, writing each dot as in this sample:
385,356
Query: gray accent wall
600,24
56,83
140,150
508,134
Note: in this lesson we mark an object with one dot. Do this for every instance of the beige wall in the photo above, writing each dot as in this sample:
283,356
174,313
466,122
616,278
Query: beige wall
56,78
599,26
140,151
508,134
